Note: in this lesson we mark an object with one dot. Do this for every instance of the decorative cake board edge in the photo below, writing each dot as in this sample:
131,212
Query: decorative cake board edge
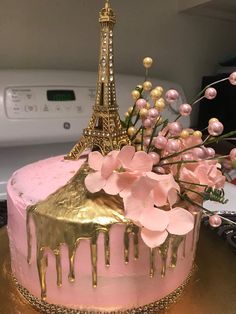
154,307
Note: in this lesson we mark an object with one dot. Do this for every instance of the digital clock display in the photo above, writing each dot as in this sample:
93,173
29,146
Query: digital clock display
60,95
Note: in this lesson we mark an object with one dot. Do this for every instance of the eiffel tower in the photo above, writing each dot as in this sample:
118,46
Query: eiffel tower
104,131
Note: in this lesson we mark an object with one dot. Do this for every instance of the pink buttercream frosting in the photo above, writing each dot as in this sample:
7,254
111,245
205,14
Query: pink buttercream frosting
120,286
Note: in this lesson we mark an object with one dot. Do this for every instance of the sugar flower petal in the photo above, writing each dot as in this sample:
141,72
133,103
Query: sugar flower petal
141,188
181,221
141,162
95,160
94,182
188,175
153,238
163,188
134,207
154,219
125,182
126,155
110,163
172,197
112,187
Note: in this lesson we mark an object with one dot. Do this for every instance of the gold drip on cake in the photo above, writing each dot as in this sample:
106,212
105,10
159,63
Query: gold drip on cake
104,131
197,221
57,254
107,247
197,231
134,231
152,262
72,251
74,215
184,246
175,244
94,259
163,251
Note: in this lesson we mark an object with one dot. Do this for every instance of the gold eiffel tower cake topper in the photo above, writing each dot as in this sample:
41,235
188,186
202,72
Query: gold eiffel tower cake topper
104,131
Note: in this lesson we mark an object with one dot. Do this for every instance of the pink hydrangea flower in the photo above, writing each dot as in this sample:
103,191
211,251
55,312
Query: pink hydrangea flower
178,221
204,172
162,188
157,223
116,172
129,174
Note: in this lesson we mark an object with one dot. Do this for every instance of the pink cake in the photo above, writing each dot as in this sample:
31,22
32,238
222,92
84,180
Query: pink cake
85,274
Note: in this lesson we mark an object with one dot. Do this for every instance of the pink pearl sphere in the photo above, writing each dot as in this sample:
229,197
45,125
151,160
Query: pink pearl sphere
172,146
147,141
175,128
160,142
210,152
232,78
215,221
172,96
215,128
198,153
232,154
155,157
159,170
187,156
153,113
210,93
141,103
185,110
147,123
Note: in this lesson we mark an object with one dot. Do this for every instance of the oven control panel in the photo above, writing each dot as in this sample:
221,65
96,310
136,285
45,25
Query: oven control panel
43,102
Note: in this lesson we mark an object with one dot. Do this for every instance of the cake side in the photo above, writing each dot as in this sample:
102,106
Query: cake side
126,273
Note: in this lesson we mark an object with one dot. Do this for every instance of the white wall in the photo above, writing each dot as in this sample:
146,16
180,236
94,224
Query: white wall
65,34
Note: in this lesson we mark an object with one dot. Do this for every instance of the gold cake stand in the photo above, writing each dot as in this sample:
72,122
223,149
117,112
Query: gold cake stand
212,290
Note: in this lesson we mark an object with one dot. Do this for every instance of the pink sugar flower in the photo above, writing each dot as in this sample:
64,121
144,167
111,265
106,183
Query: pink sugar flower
116,172
163,188
179,222
204,172
210,175
157,223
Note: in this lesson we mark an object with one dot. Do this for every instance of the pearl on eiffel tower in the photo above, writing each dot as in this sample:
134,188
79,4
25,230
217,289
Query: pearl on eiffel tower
147,62
135,94
147,86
